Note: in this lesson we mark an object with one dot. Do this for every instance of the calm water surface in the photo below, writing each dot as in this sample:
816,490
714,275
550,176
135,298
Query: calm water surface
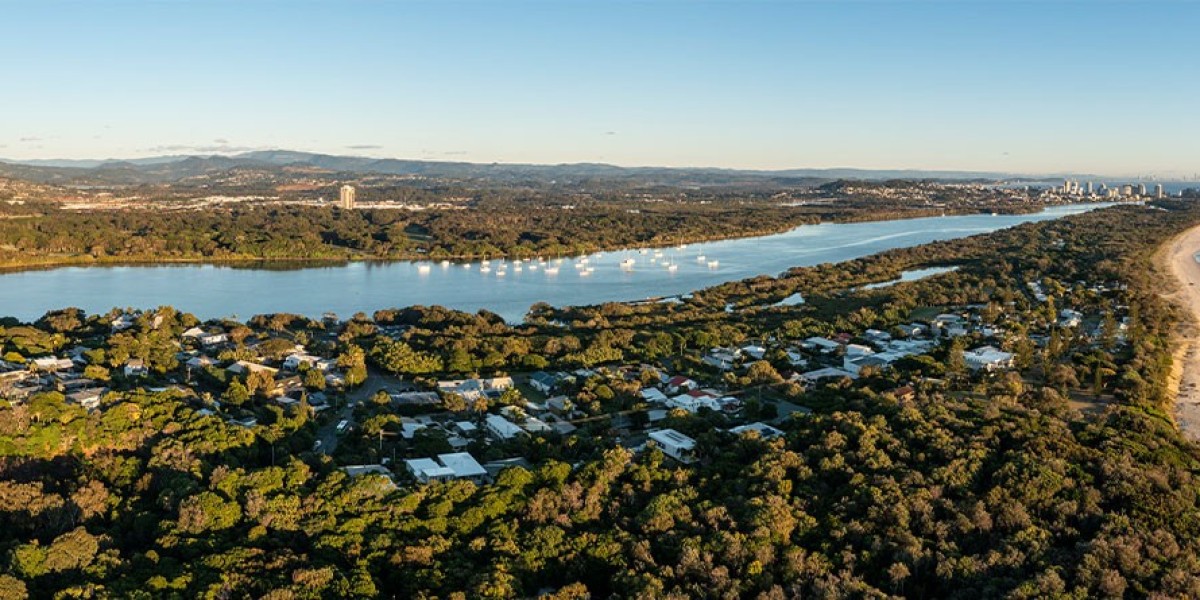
210,291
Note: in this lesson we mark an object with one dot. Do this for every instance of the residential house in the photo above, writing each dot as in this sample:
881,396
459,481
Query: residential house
244,367
355,471
135,367
652,395
447,467
1069,318
680,383
543,382
674,444
796,360
200,362
694,400
52,364
720,358
812,377
502,428
87,398
295,360
855,364
822,345
764,431
988,358
213,339
473,389
563,405
192,333
876,336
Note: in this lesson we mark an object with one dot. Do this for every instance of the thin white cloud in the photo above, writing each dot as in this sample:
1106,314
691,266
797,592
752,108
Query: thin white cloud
365,147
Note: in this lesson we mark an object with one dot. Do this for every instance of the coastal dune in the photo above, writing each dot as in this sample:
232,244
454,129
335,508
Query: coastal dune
1179,258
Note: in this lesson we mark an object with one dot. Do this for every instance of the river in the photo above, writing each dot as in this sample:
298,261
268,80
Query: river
210,291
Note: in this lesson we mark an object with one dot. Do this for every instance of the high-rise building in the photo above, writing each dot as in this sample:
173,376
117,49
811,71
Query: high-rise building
1141,189
1158,190
1089,188
346,197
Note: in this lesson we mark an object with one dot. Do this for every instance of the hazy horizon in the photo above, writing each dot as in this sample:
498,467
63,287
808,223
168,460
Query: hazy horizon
1026,88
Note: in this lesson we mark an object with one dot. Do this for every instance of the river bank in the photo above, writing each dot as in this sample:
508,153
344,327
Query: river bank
341,256
312,289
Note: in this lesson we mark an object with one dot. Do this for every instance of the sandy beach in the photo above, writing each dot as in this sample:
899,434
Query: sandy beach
1179,257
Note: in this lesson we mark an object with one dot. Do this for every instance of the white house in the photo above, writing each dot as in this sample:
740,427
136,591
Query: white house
795,359
988,358
427,469
535,425
1069,318
193,333
812,377
473,389
294,360
464,466
693,402
87,398
502,428
244,366
200,362
876,336
122,322
764,431
457,465
135,367
855,364
822,345
212,339
674,444
360,470
52,363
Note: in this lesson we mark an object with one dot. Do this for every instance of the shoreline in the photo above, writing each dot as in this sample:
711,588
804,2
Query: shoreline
47,263
1177,257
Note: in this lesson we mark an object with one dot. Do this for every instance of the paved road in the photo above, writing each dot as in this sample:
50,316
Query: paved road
327,435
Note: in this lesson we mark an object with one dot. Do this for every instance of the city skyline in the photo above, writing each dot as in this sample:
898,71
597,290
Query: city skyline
1007,87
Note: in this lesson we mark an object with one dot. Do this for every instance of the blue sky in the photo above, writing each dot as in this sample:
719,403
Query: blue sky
1102,87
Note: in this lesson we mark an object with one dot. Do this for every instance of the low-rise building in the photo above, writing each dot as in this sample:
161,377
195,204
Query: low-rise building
502,428
446,467
135,367
674,444
543,382
988,358
762,429
812,377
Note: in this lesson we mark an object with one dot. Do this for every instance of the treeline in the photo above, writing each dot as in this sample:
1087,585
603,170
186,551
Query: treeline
487,223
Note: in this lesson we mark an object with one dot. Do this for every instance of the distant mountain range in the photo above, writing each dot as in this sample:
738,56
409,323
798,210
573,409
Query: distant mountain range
170,169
